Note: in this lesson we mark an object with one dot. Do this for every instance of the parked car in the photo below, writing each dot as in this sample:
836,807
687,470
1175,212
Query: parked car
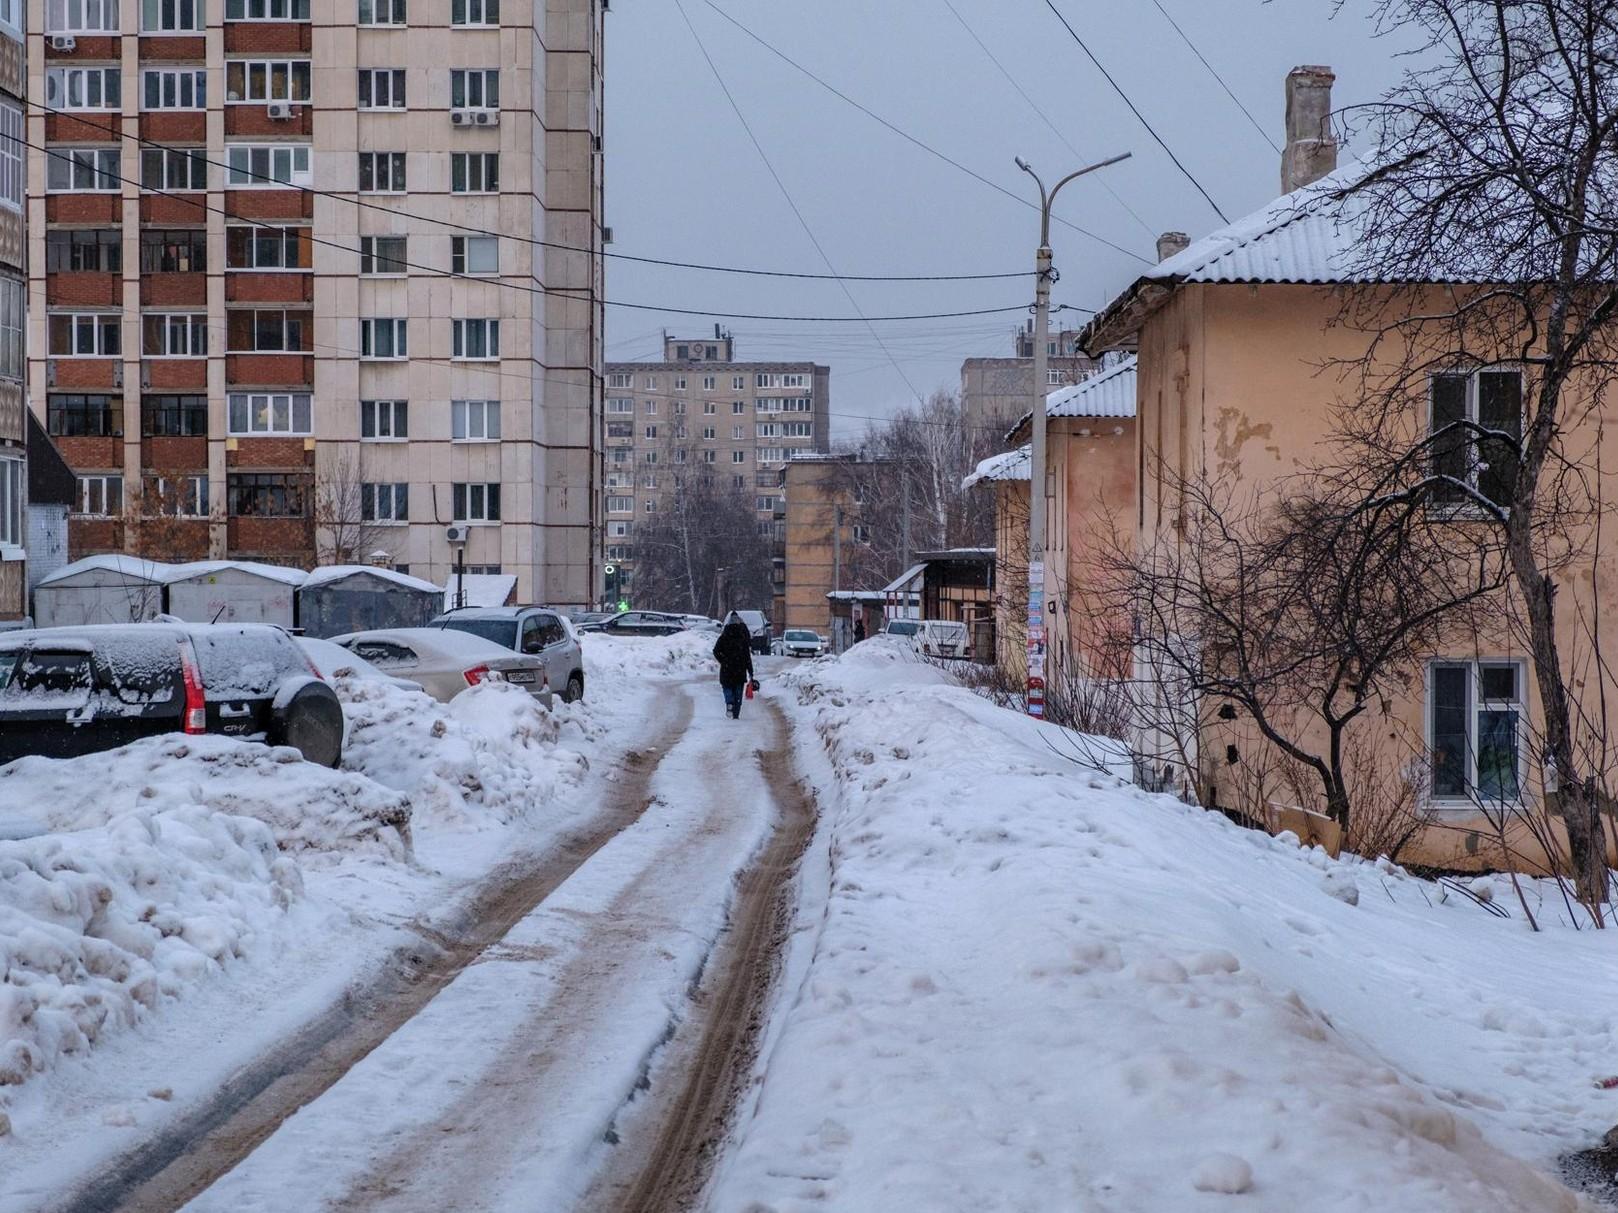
759,628
446,662
639,623
333,659
799,642
80,690
701,623
536,631
580,618
932,637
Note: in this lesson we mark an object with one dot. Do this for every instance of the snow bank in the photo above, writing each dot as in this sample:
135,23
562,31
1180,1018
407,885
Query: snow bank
1032,986
638,656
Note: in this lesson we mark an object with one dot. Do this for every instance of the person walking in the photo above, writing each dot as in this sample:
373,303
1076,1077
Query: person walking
734,653
859,630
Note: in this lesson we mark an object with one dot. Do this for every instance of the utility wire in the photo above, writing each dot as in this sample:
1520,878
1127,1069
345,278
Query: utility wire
909,138
1117,88
786,193
1184,37
354,200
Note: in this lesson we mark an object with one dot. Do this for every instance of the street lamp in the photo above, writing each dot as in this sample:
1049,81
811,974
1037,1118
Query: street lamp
1044,275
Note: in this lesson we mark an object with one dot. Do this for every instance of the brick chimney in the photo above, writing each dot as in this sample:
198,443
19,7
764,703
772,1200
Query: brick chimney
1170,243
1311,150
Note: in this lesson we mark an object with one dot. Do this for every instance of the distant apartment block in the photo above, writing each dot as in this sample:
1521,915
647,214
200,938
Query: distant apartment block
996,392
13,307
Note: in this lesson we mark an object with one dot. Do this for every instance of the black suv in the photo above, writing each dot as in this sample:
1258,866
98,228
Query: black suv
79,690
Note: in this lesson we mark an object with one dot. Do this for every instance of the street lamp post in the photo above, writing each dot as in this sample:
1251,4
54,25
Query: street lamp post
1037,497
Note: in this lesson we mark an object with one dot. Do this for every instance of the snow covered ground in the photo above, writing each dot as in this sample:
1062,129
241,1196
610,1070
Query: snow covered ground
1023,985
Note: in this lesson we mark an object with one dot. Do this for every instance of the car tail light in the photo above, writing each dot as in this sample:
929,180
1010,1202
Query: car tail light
477,674
196,703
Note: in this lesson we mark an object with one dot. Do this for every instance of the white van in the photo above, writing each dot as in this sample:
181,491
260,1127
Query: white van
932,637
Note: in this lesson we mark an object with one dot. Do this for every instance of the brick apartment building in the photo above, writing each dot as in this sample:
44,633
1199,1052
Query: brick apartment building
271,317
995,392
13,299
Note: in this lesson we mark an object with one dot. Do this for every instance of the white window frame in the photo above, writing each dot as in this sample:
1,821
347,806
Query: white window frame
710,456
475,501
461,163
242,174
738,456
183,16
487,14
394,411
649,383
370,258
474,421
381,88
279,241
1473,375
383,14
266,10
620,379
621,406
62,84
283,414
461,331
710,383
1476,706
93,489
377,161
619,504
179,168
385,502
478,88
88,168
397,330
619,529
177,82
96,325
13,164
81,17
13,501
256,84
185,325
738,383
191,496
461,255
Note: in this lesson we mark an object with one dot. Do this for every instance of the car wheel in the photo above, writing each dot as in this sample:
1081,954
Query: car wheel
575,689
311,722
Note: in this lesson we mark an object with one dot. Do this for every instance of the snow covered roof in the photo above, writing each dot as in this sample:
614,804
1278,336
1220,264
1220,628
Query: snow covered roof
854,595
910,579
157,572
482,589
1109,393
1008,465
207,568
336,572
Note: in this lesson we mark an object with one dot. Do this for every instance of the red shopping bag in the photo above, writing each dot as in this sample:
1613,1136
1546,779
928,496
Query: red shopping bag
751,687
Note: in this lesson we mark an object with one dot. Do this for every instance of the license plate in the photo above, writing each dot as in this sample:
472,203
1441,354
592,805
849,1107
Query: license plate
519,676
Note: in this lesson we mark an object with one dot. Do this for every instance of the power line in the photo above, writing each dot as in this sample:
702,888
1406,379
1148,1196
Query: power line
353,200
909,138
1263,134
1117,88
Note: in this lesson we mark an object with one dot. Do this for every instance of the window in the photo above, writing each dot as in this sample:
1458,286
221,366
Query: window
84,415
862,533
650,457
679,383
268,165
174,335
382,172
620,429
174,89
384,338
708,383
475,502
85,334
474,172
13,174
383,254
177,250
12,308
1475,720
250,80
83,88
13,479
738,382
474,88
182,169
384,420
620,505
771,454
678,409
651,408
649,480
81,16
738,407
266,10
1491,401
181,497
474,420
738,482
620,404
651,433
174,416
474,255
619,379
77,250
649,383
709,457
767,429
1055,376
474,12
250,413
708,434
173,16
738,456
101,496
382,88
679,432
618,530
619,551
651,505
382,12
765,503
681,455
267,495
737,432
82,169
268,248
385,502
798,429
621,455
269,331
708,408
475,339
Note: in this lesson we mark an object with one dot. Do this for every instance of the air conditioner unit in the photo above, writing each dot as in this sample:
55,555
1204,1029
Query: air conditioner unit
455,534
460,117
486,117
281,111
64,42
606,235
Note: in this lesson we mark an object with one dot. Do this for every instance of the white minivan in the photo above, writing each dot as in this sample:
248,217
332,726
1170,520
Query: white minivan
932,637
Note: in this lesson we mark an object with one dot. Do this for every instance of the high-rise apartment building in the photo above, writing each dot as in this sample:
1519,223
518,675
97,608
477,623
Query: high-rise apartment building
996,392
13,302
701,410
288,301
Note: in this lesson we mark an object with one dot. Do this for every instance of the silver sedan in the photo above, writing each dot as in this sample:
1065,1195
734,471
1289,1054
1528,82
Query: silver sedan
446,662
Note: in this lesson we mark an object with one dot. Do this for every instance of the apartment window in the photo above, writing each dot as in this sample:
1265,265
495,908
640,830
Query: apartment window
474,12
174,335
1055,377
13,173
82,170
649,383
12,308
384,337
383,254
708,434
619,551
679,383
737,432
771,454
268,165
180,497
266,10
738,456
83,88
385,502
269,331
85,334
649,480
474,88
174,89
382,88
617,379
651,408
621,455
798,429
256,413
382,172
738,382
474,254
84,415
474,420
651,433
738,482
474,172
710,457
650,457
250,80
678,409
268,248
767,429
81,16
101,496
738,407
475,502
620,505
618,530
709,383
709,408
793,380
651,505
176,250
765,503
382,12
1467,459
681,455
620,404
475,339
173,16
177,169
384,420
174,416
1475,734
620,429
13,482
267,495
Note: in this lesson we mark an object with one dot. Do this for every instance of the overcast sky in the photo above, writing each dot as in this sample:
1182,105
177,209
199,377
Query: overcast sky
684,181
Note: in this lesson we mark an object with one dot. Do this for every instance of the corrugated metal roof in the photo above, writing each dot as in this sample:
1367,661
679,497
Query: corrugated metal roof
1108,394
1008,465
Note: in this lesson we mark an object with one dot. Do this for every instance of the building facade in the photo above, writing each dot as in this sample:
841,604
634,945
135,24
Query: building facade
995,392
825,545
13,302
288,304
700,407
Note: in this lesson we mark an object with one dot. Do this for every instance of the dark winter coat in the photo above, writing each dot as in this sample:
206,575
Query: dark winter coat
734,653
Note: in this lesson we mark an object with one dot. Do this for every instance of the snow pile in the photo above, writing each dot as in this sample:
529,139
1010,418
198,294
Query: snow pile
637,656
97,926
1023,984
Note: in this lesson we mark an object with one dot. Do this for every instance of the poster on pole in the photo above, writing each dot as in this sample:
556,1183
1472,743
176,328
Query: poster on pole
1036,638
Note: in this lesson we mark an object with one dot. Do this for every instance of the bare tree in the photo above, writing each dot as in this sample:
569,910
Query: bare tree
346,528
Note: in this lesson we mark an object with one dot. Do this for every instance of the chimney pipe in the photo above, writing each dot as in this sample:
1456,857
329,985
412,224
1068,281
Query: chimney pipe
1311,148
1170,243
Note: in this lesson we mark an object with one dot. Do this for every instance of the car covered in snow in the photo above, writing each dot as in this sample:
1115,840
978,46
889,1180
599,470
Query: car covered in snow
70,691
639,623
333,660
758,627
536,631
945,638
800,642
446,661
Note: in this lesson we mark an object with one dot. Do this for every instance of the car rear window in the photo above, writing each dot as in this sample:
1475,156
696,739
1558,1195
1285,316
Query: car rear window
502,631
903,629
384,653
142,669
45,681
245,664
